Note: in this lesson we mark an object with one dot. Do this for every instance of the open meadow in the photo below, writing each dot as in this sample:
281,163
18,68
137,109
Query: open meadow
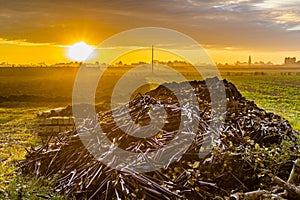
26,91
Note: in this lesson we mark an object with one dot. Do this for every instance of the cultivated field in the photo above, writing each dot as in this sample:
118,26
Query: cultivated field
274,93
272,89
26,91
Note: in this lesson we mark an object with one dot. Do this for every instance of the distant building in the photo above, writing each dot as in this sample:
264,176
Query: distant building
249,61
290,60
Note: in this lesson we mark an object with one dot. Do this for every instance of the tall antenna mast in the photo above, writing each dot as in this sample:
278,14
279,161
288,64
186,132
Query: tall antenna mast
152,59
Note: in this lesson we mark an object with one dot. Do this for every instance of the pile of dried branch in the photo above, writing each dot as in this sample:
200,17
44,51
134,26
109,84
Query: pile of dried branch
253,146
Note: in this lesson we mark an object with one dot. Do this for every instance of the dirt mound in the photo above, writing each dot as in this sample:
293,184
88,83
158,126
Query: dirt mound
251,145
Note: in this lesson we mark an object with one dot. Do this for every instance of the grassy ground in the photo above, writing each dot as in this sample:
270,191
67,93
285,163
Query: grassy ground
278,94
16,127
17,132
275,93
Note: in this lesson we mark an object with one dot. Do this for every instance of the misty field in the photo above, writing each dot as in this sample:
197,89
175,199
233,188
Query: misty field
26,91
48,87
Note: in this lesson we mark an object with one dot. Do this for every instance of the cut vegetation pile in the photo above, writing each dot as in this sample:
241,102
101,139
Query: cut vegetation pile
252,147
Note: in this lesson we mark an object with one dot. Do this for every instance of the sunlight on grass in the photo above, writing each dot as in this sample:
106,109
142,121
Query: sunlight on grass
278,94
32,188
16,134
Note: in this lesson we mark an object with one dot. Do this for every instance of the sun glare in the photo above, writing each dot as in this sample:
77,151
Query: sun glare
80,51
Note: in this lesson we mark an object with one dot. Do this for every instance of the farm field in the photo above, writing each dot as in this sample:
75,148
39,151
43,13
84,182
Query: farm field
53,88
274,93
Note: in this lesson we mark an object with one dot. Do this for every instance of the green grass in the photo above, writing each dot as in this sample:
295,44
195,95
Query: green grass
274,93
30,188
17,132
278,94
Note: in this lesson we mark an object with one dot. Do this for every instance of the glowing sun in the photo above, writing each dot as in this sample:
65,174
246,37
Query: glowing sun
80,51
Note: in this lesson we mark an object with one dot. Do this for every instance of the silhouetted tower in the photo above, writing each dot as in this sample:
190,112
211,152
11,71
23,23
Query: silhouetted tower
152,62
249,60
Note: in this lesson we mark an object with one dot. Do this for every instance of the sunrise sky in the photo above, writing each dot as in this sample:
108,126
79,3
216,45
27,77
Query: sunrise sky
39,31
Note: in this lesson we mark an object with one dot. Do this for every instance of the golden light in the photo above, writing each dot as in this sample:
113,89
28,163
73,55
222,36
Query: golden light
80,51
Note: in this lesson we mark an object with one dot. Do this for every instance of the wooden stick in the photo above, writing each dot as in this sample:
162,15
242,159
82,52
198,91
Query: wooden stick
249,195
294,177
292,190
